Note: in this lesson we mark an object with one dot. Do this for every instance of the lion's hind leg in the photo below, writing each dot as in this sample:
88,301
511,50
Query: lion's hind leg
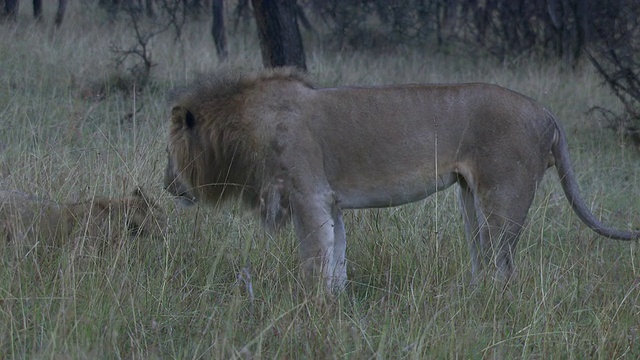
494,214
502,211
472,229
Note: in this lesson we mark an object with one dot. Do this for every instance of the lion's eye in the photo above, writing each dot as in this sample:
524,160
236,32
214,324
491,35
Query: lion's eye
189,120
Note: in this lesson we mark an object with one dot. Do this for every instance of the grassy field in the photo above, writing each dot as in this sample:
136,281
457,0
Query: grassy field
218,287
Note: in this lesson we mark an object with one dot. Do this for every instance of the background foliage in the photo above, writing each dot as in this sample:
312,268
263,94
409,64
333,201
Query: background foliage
607,31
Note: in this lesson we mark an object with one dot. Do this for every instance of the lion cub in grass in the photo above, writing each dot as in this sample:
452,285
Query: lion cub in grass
26,220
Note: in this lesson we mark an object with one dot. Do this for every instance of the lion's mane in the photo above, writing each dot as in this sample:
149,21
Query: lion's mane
213,140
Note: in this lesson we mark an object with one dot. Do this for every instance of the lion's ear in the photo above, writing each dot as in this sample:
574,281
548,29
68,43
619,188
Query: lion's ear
141,194
138,192
180,115
102,203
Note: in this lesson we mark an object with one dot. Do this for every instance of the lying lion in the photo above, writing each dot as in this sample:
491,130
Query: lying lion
285,146
26,220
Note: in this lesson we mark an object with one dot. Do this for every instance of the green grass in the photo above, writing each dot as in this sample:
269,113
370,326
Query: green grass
576,294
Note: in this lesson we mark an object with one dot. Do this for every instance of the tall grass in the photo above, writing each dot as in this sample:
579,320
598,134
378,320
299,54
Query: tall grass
218,286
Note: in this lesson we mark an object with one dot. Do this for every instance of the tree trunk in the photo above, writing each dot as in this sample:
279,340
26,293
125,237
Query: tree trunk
11,8
37,9
62,8
280,40
151,13
217,29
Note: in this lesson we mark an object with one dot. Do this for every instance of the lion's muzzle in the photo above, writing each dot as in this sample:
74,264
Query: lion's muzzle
176,187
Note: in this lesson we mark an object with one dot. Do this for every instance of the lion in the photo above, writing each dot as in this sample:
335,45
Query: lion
288,148
26,220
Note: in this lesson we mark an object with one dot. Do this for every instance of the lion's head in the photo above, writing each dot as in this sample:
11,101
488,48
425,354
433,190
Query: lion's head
135,215
139,214
215,150
26,219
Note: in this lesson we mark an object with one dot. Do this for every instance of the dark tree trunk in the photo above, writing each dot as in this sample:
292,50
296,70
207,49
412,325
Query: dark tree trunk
62,8
280,40
37,9
583,20
11,8
217,29
150,10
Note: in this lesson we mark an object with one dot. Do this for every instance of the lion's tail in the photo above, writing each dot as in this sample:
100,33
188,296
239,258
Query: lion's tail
560,151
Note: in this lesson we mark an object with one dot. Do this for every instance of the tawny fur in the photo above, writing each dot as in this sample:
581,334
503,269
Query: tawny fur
26,220
290,149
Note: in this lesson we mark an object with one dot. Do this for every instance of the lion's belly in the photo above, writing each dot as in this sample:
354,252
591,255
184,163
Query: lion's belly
372,194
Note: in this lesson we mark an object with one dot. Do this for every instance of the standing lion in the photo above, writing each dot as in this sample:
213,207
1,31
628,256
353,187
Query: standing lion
25,220
287,147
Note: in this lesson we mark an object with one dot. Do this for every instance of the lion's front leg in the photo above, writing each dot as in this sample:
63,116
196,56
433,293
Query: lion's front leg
339,252
322,241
